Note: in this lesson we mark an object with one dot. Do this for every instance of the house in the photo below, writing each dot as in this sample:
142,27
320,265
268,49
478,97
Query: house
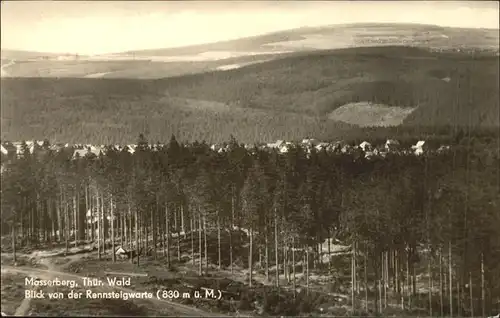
284,148
97,150
80,153
337,146
8,149
121,253
322,146
392,145
346,148
309,142
372,153
4,150
277,144
131,148
19,147
56,147
419,148
365,146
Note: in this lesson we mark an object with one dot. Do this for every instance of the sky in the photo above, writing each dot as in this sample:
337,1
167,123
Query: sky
98,27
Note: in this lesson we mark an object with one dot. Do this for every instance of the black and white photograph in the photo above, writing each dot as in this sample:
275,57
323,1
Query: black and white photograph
250,158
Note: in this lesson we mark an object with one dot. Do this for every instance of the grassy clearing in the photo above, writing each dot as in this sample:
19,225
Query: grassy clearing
370,115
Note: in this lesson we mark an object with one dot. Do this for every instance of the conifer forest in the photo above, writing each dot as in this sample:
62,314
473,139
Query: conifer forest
421,232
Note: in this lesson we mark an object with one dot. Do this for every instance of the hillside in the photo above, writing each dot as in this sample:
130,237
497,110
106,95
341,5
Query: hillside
167,62
442,89
282,99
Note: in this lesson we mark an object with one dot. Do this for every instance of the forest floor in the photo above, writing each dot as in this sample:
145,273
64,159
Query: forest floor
50,265
330,287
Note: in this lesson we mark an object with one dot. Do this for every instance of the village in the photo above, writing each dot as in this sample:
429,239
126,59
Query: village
366,149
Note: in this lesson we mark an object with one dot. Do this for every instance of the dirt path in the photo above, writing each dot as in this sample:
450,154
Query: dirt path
25,305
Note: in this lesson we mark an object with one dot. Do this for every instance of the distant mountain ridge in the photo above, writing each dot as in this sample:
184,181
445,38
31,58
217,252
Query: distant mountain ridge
273,41
8,54
476,38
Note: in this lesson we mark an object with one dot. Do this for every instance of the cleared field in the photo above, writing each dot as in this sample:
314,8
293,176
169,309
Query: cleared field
371,115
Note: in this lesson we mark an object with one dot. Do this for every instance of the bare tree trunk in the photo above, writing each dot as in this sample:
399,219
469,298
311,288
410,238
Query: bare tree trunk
471,296
407,280
250,258
441,283
59,220
66,213
285,260
199,244
459,303
429,272
379,296
86,207
154,228
483,289
112,229
145,229
231,232
122,228
167,234
450,273
183,230
52,223
384,279
276,251
193,228
205,242
75,219
219,261
329,250
307,269
231,248
98,227
293,268
103,224
179,233
396,272
137,235
366,281
353,275
130,247
13,233
267,252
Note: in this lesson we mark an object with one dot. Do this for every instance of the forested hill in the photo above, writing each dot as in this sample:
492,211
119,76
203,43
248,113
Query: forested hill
321,94
445,88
